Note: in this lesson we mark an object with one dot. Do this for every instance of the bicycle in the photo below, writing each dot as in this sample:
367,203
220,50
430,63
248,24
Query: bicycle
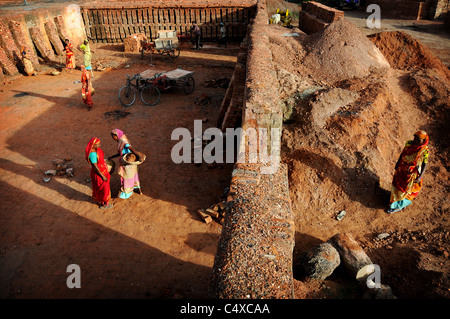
127,94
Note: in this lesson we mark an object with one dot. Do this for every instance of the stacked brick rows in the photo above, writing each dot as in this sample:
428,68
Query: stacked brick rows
52,34
112,25
42,46
414,10
20,40
61,28
10,55
315,16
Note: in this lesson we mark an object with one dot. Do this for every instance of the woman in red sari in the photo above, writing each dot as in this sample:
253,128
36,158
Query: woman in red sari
70,56
409,171
101,191
86,87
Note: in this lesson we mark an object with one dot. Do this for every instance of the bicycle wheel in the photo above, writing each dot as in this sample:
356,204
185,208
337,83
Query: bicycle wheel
167,56
176,52
189,85
150,95
127,96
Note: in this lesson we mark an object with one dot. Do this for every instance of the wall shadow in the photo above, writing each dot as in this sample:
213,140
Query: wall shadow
41,239
38,245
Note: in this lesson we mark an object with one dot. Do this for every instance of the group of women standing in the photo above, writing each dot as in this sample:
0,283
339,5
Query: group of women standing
100,176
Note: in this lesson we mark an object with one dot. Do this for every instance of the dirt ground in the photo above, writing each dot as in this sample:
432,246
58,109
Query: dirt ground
155,245
150,246
351,116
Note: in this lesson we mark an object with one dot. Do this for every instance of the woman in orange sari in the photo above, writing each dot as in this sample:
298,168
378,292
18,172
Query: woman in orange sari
86,88
70,56
101,191
409,171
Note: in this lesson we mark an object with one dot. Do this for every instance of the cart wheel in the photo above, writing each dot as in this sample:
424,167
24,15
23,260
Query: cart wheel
127,96
167,56
142,54
189,85
176,52
150,95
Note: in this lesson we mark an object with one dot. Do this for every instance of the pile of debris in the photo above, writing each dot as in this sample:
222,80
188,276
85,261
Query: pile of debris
63,167
218,83
321,261
216,211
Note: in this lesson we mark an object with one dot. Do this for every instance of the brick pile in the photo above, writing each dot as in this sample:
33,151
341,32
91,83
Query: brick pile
43,47
5,63
10,50
107,24
20,40
52,34
134,42
61,28
315,16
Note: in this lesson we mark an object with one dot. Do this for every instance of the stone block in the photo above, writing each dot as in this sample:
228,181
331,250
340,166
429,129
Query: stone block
320,261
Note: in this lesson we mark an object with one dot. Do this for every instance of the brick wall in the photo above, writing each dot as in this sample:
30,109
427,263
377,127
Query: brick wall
414,10
315,16
52,34
8,45
254,253
112,24
16,29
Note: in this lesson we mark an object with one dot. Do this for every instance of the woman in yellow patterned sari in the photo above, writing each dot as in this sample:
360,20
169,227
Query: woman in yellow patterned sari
409,171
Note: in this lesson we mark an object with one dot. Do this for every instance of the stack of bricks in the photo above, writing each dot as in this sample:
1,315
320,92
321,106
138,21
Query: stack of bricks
9,53
107,23
52,33
61,28
234,97
20,40
315,16
134,43
44,48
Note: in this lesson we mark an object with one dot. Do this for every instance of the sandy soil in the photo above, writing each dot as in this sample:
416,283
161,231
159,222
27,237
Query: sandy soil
150,246
350,119
154,245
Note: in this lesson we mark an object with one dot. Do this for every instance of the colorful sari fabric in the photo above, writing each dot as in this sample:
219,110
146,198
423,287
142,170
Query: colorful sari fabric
27,65
101,191
404,186
70,56
86,89
87,56
129,177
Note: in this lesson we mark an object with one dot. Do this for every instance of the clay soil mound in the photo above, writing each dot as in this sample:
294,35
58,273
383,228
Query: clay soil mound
406,53
351,116
341,51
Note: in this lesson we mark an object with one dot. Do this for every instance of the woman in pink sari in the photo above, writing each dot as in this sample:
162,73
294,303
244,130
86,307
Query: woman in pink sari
129,177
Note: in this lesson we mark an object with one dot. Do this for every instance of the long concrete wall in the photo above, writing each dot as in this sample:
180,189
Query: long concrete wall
254,254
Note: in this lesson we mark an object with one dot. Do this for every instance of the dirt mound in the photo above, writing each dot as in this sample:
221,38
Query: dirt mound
406,53
350,116
341,51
